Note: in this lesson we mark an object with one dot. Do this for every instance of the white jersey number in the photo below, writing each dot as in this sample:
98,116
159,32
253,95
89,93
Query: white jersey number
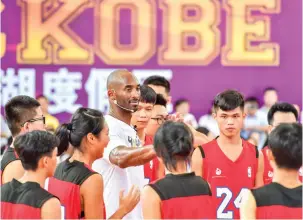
62,212
228,195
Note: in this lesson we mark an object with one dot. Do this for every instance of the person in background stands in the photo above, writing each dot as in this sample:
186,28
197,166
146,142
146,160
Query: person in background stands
209,122
51,122
182,106
254,122
270,97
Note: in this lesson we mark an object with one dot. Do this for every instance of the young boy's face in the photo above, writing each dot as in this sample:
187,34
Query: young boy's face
141,117
159,116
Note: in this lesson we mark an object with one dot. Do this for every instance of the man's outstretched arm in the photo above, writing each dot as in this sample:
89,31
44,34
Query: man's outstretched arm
123,156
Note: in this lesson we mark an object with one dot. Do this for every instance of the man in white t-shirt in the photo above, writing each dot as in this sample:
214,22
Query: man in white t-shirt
123,159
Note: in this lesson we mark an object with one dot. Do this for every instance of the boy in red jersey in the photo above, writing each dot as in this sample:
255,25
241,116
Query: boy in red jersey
23,114
141,117
279,113
230,164
281,199
150,106
26,198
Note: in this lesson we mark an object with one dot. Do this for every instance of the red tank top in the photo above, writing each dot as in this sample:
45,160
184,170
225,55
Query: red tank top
22,200
184,196
229,180
66,184
268,170
275,201
9,156
151,168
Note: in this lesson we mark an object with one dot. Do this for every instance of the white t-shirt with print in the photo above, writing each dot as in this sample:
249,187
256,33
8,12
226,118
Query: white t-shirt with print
115,179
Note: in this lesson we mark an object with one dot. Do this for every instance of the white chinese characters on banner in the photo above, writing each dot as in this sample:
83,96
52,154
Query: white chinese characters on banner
96,85
60,88
21,84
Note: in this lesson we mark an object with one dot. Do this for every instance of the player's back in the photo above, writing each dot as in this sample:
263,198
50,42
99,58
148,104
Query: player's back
9,156
229,179
268,170
66,184
22,200
275,201
184,196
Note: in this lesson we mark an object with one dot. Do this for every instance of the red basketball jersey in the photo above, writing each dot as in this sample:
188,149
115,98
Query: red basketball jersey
275,201
22,200
184,196
151,168
9,156
66,184
229,180
268,170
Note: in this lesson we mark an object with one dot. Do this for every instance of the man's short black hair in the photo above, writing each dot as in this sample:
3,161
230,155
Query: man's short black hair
229,100
158,81
281,107
32,146
161,100
252,99
180,102
19,110
269,89
148,95
285,142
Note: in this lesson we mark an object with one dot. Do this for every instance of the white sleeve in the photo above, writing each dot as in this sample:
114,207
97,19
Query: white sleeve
114,142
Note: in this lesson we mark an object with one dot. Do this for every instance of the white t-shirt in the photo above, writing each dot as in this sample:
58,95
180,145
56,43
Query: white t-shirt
115,179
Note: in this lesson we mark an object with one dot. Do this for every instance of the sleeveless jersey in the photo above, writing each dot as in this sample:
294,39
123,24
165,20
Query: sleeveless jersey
184,196
268,170
275,201
66,184
229,180
22,200
9,156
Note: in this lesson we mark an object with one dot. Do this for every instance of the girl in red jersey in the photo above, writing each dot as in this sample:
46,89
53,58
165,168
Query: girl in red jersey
79,188
281,199
180,194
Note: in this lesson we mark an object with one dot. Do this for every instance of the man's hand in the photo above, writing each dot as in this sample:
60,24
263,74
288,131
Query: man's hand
177,117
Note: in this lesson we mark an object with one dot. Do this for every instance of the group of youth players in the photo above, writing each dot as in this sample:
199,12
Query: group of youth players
152,165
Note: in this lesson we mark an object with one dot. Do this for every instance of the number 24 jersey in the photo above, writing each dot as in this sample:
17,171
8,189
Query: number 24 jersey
229,179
